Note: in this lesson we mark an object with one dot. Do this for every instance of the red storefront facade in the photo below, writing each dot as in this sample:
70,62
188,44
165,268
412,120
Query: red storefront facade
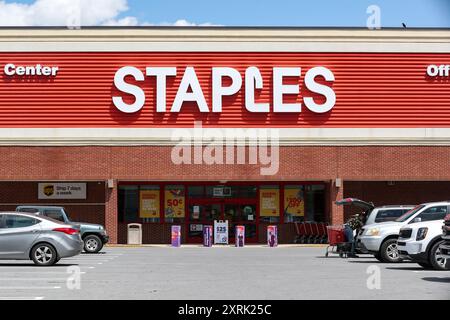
386,132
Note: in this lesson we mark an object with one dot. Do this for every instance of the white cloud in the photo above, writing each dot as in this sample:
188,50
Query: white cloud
185,23
124,22
74,13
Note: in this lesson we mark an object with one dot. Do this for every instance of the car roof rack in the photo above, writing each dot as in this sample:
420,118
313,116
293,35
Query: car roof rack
397,206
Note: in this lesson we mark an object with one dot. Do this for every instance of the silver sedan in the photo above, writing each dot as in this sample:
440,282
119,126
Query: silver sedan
25,236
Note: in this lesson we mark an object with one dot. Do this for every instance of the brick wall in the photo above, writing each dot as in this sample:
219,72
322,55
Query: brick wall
92,209
402,192
414,163
152,233
152,163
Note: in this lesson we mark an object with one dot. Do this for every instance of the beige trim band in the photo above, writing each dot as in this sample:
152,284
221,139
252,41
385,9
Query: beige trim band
163,136
224,39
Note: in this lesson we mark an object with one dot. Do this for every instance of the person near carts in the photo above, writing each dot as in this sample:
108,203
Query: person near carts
354,223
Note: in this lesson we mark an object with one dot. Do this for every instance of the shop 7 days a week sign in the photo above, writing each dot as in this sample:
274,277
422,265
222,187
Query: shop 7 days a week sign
59,190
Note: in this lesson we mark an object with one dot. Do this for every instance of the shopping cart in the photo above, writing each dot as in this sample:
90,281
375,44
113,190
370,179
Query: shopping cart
337,241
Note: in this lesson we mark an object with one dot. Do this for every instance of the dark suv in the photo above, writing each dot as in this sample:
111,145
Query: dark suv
94,235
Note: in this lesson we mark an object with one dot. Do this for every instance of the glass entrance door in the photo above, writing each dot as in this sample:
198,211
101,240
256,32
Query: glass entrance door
243,214
200,214
203,212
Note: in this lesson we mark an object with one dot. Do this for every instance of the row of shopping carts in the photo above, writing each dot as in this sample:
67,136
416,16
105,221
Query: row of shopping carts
311,232
322,233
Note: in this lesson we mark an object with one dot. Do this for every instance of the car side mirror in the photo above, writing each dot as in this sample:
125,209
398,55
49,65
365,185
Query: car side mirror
417,220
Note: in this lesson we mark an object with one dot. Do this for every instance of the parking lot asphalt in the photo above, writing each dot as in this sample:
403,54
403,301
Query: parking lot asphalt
192,273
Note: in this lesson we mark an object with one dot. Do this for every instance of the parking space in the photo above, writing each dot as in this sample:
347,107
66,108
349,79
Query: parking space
193,272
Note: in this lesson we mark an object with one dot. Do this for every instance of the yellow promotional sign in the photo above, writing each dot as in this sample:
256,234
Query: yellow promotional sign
149,204
269,202
174,202
293,201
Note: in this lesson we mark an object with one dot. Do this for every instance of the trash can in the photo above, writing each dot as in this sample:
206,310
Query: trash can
134,233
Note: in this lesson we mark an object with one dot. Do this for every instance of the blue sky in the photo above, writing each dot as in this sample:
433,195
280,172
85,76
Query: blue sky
415,13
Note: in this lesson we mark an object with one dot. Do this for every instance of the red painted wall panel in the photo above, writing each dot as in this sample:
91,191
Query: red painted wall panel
372,89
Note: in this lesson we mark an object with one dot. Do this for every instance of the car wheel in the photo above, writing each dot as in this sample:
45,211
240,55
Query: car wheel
378,257
389,251
436,260
92,244
44,254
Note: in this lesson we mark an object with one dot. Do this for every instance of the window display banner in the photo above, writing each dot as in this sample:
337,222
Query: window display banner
272,236
149,204
220,232
294,203
176,236
269,202
207,236
174,202
240,236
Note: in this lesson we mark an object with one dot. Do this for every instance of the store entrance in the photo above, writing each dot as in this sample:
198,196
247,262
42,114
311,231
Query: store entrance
203,212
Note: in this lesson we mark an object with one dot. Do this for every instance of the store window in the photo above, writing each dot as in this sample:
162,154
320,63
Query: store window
240,212
294,203
174,204
249,192
128,203
149,203
195,192
315,203
269,204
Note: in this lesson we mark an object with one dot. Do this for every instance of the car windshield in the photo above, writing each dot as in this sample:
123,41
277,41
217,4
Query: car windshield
409,213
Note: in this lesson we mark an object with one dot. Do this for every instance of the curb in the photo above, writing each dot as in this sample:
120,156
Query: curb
214,246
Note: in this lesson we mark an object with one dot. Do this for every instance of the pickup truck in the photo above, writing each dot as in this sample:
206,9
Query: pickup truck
94,235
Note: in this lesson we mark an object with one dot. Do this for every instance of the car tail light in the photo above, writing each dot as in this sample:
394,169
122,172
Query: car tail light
69,231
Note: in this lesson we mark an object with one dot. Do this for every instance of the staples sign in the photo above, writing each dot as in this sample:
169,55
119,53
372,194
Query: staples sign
190,90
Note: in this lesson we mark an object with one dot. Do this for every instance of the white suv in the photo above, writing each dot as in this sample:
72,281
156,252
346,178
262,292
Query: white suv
380,239
420,242
371,214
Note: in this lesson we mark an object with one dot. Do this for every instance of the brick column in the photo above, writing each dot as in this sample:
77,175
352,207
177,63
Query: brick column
337,212
111,213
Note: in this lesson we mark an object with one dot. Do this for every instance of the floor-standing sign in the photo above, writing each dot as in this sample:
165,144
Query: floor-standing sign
176,236
240,236
220,232
272,236
207,236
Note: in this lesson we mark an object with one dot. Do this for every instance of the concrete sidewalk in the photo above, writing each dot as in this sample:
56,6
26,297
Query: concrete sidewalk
216,246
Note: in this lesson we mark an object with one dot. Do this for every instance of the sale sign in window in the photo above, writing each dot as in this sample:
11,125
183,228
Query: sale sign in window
149,204
294,203
269,202
174,201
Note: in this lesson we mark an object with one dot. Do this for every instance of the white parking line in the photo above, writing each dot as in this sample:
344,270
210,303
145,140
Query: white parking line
33,279
30,288
20,268
37,272
21,298
430,271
